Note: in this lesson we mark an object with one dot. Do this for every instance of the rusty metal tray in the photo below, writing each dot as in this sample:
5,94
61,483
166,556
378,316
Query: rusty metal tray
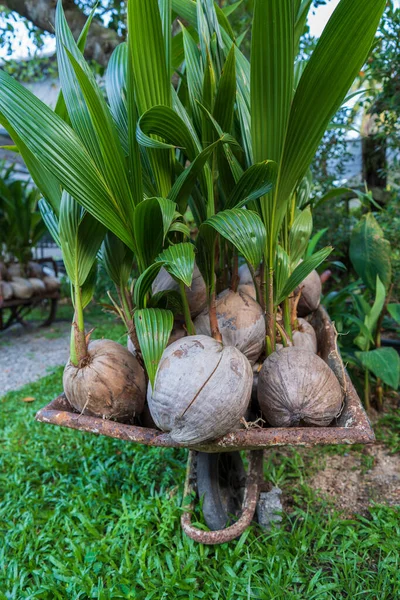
351,427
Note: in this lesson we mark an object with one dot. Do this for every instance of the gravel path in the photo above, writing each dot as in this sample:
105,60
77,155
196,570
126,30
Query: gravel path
29,354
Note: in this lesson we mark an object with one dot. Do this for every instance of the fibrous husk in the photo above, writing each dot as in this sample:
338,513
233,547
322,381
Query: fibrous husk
241,323
15,270
202,389
21,288
35,270
109,384
246,283
38,285
177,333
52,284
6,291
297,387
196,294
305,336
310,298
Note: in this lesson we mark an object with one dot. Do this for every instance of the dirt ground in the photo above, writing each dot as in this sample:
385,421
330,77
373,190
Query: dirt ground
354,481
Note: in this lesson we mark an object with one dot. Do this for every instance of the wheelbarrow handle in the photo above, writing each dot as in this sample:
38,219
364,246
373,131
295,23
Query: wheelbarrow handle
251,492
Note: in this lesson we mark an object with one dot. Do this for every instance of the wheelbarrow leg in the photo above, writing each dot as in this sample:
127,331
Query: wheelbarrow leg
251,492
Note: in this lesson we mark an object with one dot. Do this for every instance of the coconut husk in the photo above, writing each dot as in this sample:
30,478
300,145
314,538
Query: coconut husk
38,285
109,384
35,270
202,389
53,284
241,323
246,283
6,291
296,387
196,294
21,288
305,336
15,270
311,289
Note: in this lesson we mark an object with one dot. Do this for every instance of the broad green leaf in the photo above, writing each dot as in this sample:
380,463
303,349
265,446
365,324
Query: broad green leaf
165,7
372,316
117,259
112,164
272,59
370,253
151,222
226,93
153,329
116,87
254,183
143,284
61,108
394,311
81,236
44,179
332,68
50,219
146,44
230,8
74,99
183,186
314,241
300,234
301,19
56,146
384,363
178,260
194,74
89,286
166,123
242,228
302,271
151,77
335,193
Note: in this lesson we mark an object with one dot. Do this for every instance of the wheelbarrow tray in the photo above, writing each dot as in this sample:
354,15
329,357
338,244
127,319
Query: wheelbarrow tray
352,427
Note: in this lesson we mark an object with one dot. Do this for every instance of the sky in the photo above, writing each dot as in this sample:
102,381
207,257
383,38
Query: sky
23,47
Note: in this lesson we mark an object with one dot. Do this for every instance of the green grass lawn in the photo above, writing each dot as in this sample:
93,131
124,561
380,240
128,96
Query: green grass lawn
87,517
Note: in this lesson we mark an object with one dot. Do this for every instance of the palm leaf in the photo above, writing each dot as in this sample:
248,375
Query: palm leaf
338,57
179,262
302,271
153,329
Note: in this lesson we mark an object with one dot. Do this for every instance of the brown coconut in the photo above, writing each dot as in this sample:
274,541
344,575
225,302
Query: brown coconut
53,284
38,285
177,333
310,298
15,270
202,389
196,294
305,336
6,291
296,387
240,320
21,288
109,384
35,270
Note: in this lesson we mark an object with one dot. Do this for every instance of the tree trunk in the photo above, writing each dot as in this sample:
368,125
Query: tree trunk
101,40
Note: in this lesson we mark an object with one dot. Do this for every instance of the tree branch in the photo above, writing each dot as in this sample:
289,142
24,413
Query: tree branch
101,40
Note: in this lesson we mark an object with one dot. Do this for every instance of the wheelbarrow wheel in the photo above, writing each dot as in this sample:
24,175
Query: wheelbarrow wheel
221,480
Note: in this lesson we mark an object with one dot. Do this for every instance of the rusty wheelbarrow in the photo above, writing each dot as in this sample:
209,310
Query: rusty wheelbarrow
215,470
